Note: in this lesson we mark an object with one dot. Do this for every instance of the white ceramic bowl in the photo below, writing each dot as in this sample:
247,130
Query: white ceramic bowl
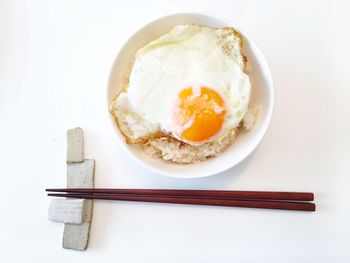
262,95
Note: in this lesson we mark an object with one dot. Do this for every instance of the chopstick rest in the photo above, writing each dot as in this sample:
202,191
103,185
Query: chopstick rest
75,236
76,216
75,145
67,210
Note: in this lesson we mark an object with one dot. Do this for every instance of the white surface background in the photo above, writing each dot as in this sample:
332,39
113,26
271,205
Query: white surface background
55,58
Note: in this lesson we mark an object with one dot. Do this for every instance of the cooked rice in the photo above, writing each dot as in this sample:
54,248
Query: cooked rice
250,118
170,149
176,151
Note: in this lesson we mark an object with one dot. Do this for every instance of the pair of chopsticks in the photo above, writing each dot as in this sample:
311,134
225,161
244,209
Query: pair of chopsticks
253,199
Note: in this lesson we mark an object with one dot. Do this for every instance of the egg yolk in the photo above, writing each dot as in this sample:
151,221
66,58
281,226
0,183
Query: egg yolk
198,114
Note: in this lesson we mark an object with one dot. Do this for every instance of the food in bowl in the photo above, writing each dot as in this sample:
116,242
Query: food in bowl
187,95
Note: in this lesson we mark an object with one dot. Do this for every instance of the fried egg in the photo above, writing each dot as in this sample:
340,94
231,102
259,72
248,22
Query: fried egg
189,84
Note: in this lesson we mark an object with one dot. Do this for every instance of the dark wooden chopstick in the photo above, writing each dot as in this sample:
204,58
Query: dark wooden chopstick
299,206
265,195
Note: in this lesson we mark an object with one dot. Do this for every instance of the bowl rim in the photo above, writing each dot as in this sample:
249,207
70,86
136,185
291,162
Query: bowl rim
262,129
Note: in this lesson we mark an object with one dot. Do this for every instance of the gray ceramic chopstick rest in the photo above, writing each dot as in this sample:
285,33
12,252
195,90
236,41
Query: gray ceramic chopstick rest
76,214
67,210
